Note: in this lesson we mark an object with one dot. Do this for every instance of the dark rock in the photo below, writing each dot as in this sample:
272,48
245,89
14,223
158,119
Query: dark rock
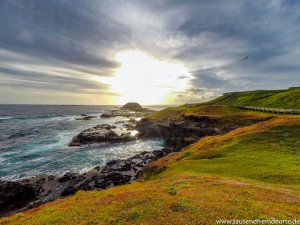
105,126
28,193
106,115
126,113
180,133
199,119
176,134
15,195
132,120
131,109
85,117
102,133
115,172
66,177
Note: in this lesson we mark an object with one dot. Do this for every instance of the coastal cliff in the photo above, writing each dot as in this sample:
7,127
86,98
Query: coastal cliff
213,154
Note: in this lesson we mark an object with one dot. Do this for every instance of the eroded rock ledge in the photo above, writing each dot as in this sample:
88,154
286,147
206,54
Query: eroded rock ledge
103,133
16,196
188,129
177,134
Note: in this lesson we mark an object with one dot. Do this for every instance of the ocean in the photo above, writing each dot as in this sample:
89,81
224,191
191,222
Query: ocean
34,140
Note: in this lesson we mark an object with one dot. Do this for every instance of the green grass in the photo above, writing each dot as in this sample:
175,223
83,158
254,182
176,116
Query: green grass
197,200
267,152
248,173
224,117
173,113
286,99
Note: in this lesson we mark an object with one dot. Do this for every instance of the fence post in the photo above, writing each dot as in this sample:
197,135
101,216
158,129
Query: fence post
271,110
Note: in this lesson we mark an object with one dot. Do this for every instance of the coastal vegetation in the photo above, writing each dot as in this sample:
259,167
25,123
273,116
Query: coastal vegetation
285,99
251,171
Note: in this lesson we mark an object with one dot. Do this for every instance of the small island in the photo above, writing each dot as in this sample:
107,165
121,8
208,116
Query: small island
132,106
211,149
130,109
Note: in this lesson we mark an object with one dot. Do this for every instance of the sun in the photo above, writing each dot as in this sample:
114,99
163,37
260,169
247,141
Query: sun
147,80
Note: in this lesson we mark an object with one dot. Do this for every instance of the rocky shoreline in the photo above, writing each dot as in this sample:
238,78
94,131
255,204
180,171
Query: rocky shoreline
25,194
29,193
103,133
20,195
16,196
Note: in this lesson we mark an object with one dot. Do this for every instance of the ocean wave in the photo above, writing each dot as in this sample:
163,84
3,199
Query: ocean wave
1,160
6,118
47,117
18,177
20,134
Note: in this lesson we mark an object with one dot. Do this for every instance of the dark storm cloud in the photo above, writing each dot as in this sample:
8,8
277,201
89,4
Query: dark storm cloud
224,32
58,35
209,81
210,37
64,30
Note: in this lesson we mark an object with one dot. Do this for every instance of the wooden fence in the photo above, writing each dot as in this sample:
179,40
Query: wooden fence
271,110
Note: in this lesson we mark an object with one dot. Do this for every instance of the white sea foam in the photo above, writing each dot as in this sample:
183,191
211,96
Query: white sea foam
1,160
5,118
51,153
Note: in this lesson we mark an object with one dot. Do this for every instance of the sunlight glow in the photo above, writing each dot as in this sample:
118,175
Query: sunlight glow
147,80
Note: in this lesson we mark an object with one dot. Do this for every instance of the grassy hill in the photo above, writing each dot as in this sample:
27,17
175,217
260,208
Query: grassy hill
265,152
248,173
213,111
226,117
286,99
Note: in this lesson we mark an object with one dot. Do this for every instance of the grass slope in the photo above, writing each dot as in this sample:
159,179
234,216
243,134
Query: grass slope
286,99
251,172
177,200
225,117
173,113
268,151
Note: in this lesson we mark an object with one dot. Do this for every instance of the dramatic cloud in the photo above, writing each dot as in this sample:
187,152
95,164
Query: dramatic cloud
68,48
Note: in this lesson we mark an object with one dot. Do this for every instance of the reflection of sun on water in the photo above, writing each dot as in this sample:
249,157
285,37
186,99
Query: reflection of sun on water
146,80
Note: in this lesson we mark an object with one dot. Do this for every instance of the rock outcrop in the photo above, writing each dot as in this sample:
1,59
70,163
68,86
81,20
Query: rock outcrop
180,133
130,109
85,117
126,113
15,195
20,195
132,106
176,133
103,133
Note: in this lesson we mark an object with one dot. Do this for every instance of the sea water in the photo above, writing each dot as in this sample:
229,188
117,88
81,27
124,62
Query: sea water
34,140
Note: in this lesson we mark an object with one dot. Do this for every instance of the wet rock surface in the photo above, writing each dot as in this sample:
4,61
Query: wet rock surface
20,195
180,133
85,117
15,195
177,134
126,113
186,129
37,190
103,133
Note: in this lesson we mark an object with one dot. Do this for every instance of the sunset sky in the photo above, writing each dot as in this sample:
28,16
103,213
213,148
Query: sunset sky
153,52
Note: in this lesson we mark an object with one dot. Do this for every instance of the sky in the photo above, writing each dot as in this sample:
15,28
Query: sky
154,51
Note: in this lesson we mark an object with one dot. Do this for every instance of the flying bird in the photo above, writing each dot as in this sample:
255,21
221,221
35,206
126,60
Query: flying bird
246,58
